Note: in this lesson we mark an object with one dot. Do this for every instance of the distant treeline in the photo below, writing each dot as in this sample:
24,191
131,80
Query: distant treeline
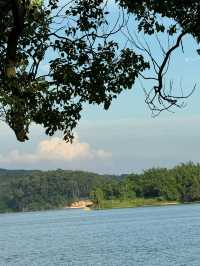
39,190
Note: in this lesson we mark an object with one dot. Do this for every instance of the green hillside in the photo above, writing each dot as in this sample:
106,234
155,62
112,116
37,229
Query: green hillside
22,190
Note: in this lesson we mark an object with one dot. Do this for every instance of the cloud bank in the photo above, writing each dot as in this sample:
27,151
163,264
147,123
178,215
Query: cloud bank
136,144
56,149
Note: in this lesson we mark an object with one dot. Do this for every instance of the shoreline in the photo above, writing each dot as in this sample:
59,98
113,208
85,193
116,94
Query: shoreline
117,204
161,204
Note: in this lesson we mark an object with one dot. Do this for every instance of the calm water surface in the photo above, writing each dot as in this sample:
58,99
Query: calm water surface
149,236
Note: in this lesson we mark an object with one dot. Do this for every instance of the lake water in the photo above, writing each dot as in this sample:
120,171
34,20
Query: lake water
148,236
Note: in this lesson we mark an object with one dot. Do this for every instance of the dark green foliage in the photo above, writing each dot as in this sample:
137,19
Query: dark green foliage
84,59
186,15
85,66
181,183
38,190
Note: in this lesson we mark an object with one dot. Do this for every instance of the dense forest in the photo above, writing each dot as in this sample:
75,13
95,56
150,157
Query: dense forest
22,190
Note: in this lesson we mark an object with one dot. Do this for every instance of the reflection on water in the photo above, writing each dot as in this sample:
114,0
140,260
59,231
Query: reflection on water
161,236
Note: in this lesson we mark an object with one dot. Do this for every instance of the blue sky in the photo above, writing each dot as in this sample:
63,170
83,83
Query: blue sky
124,139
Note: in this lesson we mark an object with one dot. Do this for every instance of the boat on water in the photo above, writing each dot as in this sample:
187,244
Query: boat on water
82,204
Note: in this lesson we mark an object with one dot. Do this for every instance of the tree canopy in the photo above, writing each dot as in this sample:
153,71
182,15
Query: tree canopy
83,61
38,190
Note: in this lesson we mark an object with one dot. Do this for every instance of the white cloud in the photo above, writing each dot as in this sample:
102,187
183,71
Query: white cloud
56,149
136,144
15,156
103,154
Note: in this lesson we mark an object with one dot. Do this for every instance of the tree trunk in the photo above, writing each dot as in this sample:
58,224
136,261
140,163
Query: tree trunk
18,12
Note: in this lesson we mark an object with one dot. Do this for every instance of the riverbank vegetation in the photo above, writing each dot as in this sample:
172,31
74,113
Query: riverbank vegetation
132,203
40,190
